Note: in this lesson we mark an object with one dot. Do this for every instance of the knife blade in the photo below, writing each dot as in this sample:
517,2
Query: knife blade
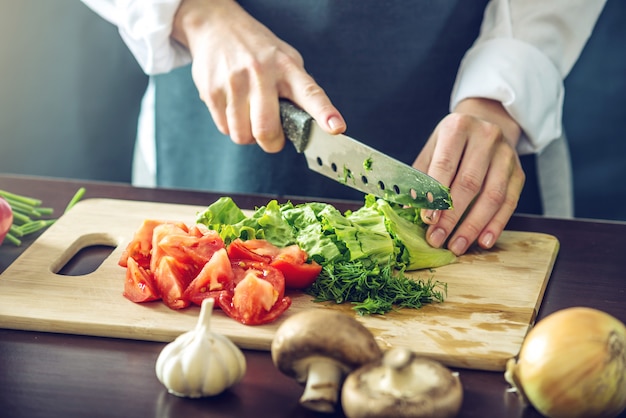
360,166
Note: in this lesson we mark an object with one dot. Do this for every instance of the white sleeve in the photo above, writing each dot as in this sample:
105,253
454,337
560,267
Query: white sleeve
145,26
524,51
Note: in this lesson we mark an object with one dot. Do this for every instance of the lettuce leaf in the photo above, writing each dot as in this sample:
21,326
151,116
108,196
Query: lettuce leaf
379,232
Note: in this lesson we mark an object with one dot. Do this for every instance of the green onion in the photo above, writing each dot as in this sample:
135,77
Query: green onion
31,201
27,214
77,196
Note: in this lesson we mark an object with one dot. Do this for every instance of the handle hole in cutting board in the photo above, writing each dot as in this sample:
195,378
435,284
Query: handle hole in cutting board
85,255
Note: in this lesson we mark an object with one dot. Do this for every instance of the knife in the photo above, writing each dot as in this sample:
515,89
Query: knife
359,166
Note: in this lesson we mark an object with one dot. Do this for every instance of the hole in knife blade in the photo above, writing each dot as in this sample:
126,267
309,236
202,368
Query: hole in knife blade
364,179
396,189
319,161
333,166
430,197
381,185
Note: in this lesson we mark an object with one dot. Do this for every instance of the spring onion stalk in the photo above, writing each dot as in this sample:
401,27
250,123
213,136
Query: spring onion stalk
27,213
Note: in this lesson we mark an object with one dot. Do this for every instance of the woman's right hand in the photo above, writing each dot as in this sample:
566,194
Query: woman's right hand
241,69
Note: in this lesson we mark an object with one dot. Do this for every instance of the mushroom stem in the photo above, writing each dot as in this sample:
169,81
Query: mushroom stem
398,375
322,385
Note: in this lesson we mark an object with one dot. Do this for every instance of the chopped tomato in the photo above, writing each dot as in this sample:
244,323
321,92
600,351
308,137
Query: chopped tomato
184,265
297,275
271,274
290,260
198,230
159,233
258,297
139,285
191,249
216,276
172,278
140,247
239,250
262,247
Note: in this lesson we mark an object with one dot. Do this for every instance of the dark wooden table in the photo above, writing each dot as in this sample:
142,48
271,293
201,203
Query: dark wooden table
57,375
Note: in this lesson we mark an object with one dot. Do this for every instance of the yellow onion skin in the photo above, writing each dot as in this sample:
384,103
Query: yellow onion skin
573,364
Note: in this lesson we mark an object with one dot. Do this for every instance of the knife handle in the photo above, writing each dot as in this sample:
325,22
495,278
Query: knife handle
296,124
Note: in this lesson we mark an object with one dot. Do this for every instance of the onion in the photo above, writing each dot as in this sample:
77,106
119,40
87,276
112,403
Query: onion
573,364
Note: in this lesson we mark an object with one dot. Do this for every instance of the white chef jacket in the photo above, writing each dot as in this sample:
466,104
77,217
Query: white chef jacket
524,51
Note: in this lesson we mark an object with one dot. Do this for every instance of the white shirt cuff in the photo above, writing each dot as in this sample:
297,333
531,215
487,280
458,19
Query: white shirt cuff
523,79
145,27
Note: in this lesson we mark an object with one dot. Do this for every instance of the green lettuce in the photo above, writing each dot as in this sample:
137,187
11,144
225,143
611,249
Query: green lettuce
379,232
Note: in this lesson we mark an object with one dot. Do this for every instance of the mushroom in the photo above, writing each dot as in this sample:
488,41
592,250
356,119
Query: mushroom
402,385
318,348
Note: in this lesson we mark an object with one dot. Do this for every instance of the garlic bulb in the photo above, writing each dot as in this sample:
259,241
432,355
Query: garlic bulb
199,362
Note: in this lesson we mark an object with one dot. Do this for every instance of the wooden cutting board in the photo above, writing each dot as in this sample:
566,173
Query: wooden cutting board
493,296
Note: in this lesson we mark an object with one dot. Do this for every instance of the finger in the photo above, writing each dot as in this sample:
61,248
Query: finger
430,216
495,204
307,94
468,181
215,101
494,228
265,122
449,146
238,112
217,109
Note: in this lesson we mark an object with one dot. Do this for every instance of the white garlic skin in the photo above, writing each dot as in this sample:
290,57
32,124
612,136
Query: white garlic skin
200,363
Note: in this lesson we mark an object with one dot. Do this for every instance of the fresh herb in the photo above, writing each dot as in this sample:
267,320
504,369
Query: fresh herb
28,214
373,289
347,175
367,164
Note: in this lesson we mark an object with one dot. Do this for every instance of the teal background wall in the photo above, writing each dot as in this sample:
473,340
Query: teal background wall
69,92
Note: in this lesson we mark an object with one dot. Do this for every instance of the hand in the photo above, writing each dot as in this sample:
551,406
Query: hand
472,150
241,69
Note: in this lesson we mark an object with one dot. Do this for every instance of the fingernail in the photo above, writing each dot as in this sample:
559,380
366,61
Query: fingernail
437,237
427,216
433,215
335,123
458,246
487,240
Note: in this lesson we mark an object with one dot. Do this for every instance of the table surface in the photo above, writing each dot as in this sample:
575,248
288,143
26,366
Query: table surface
45,374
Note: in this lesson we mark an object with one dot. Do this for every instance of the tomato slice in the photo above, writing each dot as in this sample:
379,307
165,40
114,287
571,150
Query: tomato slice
172,278
258,296
191,249
215,277
262,247
140,247
139,285
290,260
238,250
297,275
159,233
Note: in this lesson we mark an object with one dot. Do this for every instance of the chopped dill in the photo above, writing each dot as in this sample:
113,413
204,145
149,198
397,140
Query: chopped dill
373,289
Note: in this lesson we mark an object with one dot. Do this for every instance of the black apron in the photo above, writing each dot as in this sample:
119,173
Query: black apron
388,66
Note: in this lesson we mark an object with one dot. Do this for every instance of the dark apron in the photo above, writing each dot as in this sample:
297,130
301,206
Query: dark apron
388,66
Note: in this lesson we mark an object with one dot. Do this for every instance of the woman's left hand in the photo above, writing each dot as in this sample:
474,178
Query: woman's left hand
472,150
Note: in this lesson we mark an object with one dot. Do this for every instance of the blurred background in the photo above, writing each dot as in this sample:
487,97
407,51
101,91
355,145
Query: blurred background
70,93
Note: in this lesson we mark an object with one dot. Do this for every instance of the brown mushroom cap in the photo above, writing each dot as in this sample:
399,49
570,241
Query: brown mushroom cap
440,396
322,333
